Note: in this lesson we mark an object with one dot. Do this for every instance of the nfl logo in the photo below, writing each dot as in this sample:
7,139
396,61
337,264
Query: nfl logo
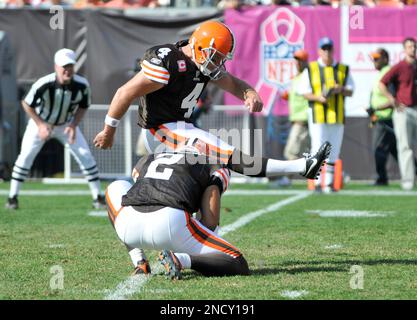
182,66
278,62
282,33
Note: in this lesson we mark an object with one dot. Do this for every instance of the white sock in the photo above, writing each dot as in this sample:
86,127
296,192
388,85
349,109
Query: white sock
137,255
328,176
277,167
94,188
14,188
184,259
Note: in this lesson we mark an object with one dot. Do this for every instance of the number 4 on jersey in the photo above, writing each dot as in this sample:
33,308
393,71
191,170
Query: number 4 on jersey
162,52
190,101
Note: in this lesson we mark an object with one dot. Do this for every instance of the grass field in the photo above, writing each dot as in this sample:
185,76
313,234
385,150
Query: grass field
305,249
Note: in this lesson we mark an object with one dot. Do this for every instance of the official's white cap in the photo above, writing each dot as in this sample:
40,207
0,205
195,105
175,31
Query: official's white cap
64,57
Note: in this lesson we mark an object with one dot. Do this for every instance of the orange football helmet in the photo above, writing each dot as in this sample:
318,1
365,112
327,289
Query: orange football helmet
212,44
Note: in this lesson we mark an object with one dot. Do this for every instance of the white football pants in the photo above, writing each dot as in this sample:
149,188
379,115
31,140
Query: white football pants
167,228
170,136
322,132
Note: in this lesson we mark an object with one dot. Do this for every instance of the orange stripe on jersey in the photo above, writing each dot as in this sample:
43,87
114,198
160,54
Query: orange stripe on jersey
155,76
224,179
210,240
155,70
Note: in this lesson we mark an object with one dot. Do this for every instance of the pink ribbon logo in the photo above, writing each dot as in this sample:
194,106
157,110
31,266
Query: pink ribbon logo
282,33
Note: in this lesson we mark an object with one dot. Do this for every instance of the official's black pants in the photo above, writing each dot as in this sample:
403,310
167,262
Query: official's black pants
384,144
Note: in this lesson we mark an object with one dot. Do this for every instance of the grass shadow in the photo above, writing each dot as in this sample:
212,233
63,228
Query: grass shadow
294,267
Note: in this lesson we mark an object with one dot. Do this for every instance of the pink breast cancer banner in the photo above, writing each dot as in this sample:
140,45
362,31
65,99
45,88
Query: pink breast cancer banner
267,37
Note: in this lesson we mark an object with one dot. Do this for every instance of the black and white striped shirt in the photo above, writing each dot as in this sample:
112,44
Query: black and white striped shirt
55,103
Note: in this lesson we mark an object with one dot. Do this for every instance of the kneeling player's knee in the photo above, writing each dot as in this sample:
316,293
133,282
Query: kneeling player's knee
219,264
242,267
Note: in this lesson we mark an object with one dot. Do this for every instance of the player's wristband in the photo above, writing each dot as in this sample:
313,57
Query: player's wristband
112,122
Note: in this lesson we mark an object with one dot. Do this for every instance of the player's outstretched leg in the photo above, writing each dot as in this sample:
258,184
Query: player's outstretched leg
308,167
316,161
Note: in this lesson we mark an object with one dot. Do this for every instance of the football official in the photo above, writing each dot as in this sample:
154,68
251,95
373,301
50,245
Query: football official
56,103
325,84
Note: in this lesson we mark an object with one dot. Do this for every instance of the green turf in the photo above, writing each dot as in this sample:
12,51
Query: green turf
286,250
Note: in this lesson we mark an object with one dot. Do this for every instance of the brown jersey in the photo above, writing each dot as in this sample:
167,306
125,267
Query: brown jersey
183,82
175,180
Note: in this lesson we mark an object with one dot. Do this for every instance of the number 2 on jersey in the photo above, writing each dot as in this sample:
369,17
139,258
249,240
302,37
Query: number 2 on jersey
167,159
190,101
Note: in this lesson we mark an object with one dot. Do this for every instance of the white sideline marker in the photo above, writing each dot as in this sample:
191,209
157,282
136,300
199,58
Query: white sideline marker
293,294
349,213
135,284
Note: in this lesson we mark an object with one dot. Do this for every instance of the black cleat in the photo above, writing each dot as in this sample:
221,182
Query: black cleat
171,264
12,203
99,203
315,162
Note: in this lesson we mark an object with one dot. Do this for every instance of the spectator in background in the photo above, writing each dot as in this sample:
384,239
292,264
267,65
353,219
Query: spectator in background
403,76
325,84
83,4
125,4
298,138
380,112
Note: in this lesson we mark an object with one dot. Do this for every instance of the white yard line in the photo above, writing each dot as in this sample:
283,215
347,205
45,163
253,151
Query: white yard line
255,214
136,283
350,213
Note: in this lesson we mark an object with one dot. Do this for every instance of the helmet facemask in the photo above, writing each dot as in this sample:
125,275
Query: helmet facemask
211,62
